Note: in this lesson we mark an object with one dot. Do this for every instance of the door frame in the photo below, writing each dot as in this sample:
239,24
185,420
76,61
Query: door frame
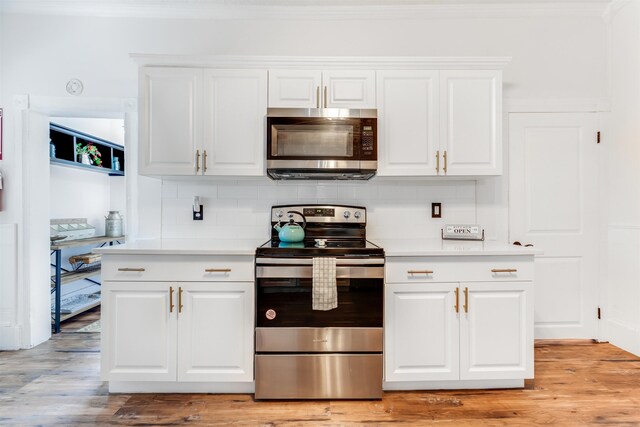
124,108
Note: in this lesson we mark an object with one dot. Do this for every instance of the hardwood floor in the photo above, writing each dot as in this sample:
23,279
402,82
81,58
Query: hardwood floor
577,383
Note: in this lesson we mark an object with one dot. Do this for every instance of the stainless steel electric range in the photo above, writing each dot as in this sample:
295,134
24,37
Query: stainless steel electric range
303,353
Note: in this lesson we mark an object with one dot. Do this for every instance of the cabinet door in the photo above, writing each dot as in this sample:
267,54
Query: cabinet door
421,332
349,89
295,88
407,123
170,120
235,106
471,121
215,332
138,332
496,331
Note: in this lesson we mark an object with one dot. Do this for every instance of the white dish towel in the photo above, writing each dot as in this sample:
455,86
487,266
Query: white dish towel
325,288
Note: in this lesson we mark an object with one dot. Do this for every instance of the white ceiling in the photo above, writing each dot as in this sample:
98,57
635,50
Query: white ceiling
313,9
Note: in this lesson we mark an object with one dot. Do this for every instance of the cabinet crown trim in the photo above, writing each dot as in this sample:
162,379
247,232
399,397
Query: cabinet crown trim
324,62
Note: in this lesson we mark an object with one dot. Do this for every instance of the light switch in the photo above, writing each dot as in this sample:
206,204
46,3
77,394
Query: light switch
436,210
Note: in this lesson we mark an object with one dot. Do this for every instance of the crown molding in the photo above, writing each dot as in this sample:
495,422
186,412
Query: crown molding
307,9
326,62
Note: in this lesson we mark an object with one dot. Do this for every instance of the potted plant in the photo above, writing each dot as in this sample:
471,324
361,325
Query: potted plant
89,154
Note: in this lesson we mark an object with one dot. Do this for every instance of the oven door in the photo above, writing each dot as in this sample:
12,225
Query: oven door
283,296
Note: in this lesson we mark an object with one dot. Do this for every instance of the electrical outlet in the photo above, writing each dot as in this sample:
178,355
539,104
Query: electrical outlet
199,216
436,210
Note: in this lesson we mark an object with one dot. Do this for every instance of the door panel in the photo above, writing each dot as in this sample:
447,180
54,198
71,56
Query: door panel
428,352
215,332
408,122
471,117
496,331
234,122
139,332
350,89
553,204
170,120
294,88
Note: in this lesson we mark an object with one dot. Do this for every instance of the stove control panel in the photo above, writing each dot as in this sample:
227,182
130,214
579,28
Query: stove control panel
321,213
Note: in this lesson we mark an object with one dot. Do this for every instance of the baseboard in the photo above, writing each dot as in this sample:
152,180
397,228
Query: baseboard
179,387
9,337
624,335
451,385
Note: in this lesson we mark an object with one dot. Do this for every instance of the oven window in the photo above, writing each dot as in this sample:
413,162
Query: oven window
335,140
360,304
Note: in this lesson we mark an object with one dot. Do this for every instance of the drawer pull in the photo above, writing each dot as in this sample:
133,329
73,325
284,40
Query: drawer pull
420,272
131,269
504,270
217,270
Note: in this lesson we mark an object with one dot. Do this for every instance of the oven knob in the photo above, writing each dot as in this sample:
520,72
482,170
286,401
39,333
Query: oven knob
357,215
279,214
346,214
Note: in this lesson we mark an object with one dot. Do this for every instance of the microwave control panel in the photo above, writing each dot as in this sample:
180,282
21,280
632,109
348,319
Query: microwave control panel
367,139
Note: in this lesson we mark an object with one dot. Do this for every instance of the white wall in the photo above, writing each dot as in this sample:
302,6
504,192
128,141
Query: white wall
622,313
554,56
110,129
241,209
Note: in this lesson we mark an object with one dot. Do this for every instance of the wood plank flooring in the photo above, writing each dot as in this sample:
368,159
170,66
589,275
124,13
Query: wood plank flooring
577,383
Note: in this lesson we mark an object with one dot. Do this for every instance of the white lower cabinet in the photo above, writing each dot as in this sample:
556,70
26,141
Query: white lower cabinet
443,334
177,331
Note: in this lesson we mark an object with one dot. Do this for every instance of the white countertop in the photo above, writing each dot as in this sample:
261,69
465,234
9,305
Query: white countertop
184,247
438,247
392,247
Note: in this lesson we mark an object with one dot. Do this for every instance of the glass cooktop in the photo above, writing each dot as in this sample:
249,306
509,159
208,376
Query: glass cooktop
312,247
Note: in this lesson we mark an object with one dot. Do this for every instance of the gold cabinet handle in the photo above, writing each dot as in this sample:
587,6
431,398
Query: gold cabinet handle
444,155
438,161
412,272
217,270
204,161
466,300
457,306
325,97
504,270
197,161
317,96
171,299
180,299
131,269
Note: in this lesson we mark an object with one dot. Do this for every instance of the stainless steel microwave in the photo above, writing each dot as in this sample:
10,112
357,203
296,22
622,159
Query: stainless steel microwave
327,143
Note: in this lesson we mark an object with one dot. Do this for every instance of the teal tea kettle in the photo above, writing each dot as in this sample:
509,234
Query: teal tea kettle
291,232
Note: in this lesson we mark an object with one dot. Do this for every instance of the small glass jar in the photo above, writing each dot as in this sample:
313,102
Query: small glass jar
116,163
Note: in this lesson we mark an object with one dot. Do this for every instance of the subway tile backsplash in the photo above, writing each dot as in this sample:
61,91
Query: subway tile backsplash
240,209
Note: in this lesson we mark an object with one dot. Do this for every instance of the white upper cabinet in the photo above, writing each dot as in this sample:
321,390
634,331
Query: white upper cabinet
202,122
322,89
439,122
235,106
471,122
170,115
408,122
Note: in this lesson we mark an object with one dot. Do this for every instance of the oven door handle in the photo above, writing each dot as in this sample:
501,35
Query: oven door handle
309,261
303,272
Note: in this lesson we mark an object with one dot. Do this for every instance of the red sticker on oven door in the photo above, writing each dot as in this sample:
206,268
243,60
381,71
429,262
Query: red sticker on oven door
270,314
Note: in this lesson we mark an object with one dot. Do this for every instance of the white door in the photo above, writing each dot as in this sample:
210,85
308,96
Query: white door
215,332
349,89
421,332
235,108
295,88
170,120
496,331
553,204
139,328
471,122
408,123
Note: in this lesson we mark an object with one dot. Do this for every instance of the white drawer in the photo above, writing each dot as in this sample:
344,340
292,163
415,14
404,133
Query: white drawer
458,269
178,268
